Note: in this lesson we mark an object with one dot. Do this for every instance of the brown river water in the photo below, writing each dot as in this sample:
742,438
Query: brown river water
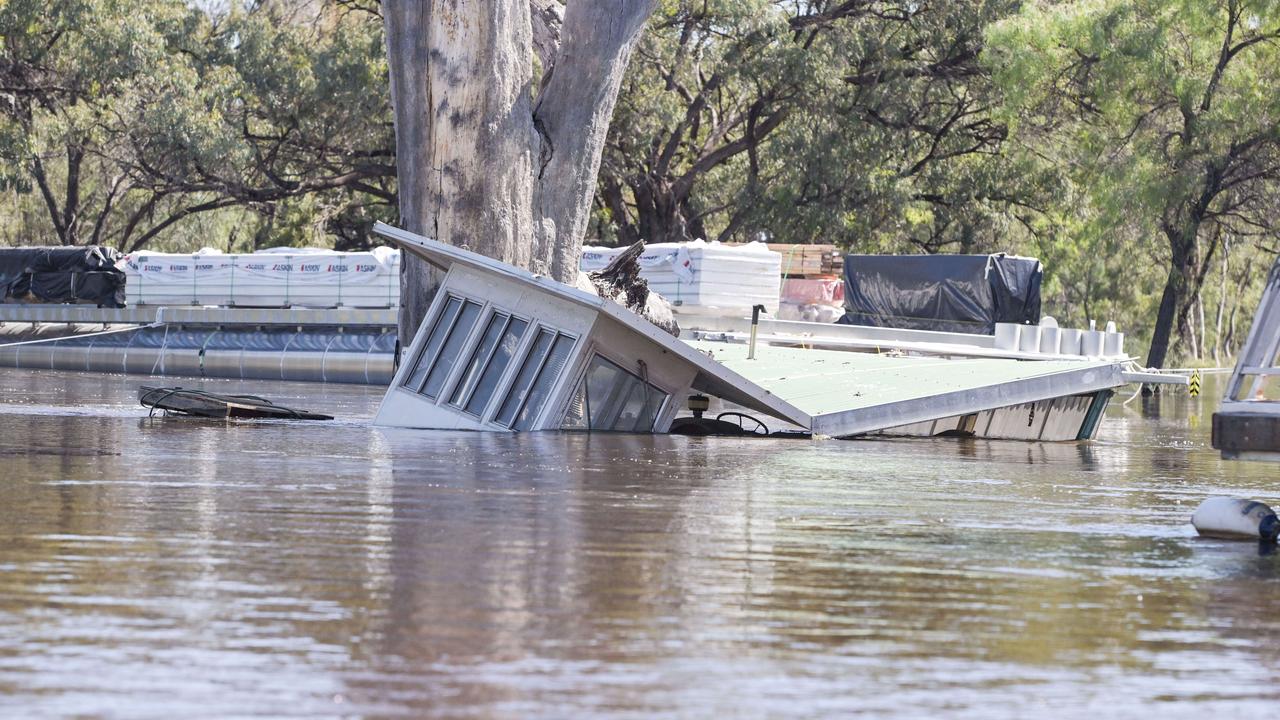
170,568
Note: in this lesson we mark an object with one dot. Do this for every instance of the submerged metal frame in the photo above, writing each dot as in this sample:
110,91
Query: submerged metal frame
1247,425
1260,357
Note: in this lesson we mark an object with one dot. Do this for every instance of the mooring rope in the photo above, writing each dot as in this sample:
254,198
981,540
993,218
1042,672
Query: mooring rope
1188,371
81,335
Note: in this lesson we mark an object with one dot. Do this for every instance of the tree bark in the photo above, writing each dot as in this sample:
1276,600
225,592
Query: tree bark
460,75
1165,316
1181,288
1222,304
573,114
482,165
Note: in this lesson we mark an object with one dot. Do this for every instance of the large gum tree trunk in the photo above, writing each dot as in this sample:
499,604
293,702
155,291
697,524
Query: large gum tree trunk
483,161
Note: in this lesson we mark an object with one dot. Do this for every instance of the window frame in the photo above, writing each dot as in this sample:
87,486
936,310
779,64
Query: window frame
413,353
507,384
469,345
505,377
468,342
432,318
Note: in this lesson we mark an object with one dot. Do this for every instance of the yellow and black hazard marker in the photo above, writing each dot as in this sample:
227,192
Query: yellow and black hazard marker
1194,384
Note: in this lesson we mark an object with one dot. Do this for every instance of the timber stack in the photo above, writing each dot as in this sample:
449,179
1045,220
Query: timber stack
809,261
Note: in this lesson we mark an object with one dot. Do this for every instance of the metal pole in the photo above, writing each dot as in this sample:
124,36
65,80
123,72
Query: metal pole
755,322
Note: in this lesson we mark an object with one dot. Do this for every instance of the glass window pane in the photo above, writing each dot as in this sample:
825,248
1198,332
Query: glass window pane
524,379
594,395
502,355
432,345
637,412
610,398
605,414
541,389
451,349
649,415
488,341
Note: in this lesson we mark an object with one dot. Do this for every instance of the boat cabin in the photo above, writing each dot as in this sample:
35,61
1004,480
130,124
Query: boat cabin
503,349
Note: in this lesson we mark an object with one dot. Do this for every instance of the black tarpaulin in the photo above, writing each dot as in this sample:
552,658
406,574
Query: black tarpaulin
83,274
947,293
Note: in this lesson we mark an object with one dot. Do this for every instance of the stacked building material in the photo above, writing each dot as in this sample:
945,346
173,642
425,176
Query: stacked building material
807,261
702,278
281,277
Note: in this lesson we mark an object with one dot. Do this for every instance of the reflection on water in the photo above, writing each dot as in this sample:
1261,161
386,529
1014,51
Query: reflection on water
176,568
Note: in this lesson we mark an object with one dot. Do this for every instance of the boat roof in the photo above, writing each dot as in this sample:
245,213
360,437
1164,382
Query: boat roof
853,392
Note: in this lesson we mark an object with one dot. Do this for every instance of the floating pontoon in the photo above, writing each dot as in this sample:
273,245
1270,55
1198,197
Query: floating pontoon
503,349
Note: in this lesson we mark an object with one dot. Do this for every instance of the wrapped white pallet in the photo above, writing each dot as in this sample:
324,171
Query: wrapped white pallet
279,277
703,278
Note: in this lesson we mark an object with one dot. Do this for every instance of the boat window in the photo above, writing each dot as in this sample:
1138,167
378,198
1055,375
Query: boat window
610,398
480,355
454,341
488,362
524,379
422,363
535,380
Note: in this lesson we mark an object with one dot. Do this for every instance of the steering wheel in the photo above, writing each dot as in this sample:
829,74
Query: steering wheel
757,430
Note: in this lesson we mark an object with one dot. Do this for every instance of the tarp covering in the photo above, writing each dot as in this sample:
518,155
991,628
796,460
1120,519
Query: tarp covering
77,274
947,293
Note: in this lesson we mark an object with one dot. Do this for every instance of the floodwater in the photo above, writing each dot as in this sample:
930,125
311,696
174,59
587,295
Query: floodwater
161,568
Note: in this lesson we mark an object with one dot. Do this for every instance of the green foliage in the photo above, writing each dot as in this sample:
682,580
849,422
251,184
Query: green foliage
1162,117
130,117
865,124
1130,145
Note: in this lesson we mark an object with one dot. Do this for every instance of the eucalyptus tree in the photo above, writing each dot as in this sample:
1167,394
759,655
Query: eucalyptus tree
814,121
894,145
67,67
501,110
1165,115
128,117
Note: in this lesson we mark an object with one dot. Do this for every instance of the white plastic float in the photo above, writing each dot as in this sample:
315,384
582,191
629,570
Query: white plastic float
1230,518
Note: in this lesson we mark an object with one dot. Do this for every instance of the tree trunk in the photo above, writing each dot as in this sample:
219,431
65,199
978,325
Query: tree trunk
460,82
1200,351
1165,316
1222,304
1171,301
482,165
658,210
